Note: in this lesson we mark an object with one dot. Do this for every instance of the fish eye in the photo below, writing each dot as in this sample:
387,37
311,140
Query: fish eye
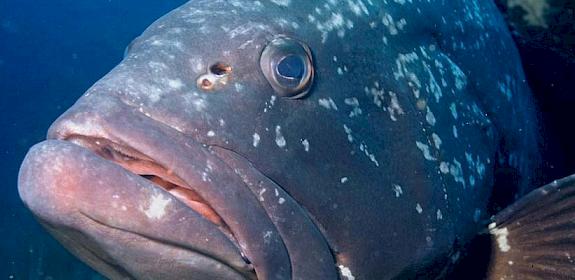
288,66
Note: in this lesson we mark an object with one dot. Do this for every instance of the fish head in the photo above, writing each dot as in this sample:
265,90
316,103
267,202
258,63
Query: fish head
245,139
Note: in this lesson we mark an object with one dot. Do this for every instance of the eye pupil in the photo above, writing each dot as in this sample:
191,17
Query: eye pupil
291,67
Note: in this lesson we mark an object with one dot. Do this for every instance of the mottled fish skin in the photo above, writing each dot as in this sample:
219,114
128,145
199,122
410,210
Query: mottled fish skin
392,154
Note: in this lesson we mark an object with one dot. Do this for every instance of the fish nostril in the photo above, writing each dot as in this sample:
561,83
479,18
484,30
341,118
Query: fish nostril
220,69
206,83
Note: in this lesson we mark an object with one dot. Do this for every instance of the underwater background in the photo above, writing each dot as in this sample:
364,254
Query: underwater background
52,51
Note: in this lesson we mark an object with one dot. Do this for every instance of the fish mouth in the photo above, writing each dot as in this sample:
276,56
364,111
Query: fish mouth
140,164
162,190
163,178
136,204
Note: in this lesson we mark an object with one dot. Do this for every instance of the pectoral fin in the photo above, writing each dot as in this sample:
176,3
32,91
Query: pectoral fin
534,238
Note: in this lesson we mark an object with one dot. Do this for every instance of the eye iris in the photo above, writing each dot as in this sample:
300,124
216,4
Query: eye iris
291,67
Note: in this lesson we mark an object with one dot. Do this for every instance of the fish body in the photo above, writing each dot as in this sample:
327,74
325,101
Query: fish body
291,140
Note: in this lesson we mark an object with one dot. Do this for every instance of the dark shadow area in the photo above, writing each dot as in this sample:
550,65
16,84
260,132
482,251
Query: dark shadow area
552,79
546,44
473,260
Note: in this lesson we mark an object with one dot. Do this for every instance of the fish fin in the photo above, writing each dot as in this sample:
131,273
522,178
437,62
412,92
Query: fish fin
534,238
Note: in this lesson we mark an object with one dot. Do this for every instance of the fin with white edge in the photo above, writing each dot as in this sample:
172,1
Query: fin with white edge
534,238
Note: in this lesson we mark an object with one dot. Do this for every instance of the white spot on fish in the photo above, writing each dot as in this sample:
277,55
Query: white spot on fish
444,167
280,140
305,144
481,168
175,84
439,215
363,147
211,133
157,207
281,200
348,132
505,87
436,140
284,3
346,273
327,103
453,109
206,177
357,7
457,172
330,20
239,87
256,140
425,150
261,194
418,208
501,237
429,117
391,25
353,102
402,63
267,237
343,180
433,85
398,190
460,78
394,108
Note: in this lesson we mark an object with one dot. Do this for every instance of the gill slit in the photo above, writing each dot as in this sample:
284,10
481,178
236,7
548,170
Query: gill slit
332,249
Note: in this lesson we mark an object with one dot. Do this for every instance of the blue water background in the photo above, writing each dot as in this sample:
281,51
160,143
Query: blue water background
50,53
